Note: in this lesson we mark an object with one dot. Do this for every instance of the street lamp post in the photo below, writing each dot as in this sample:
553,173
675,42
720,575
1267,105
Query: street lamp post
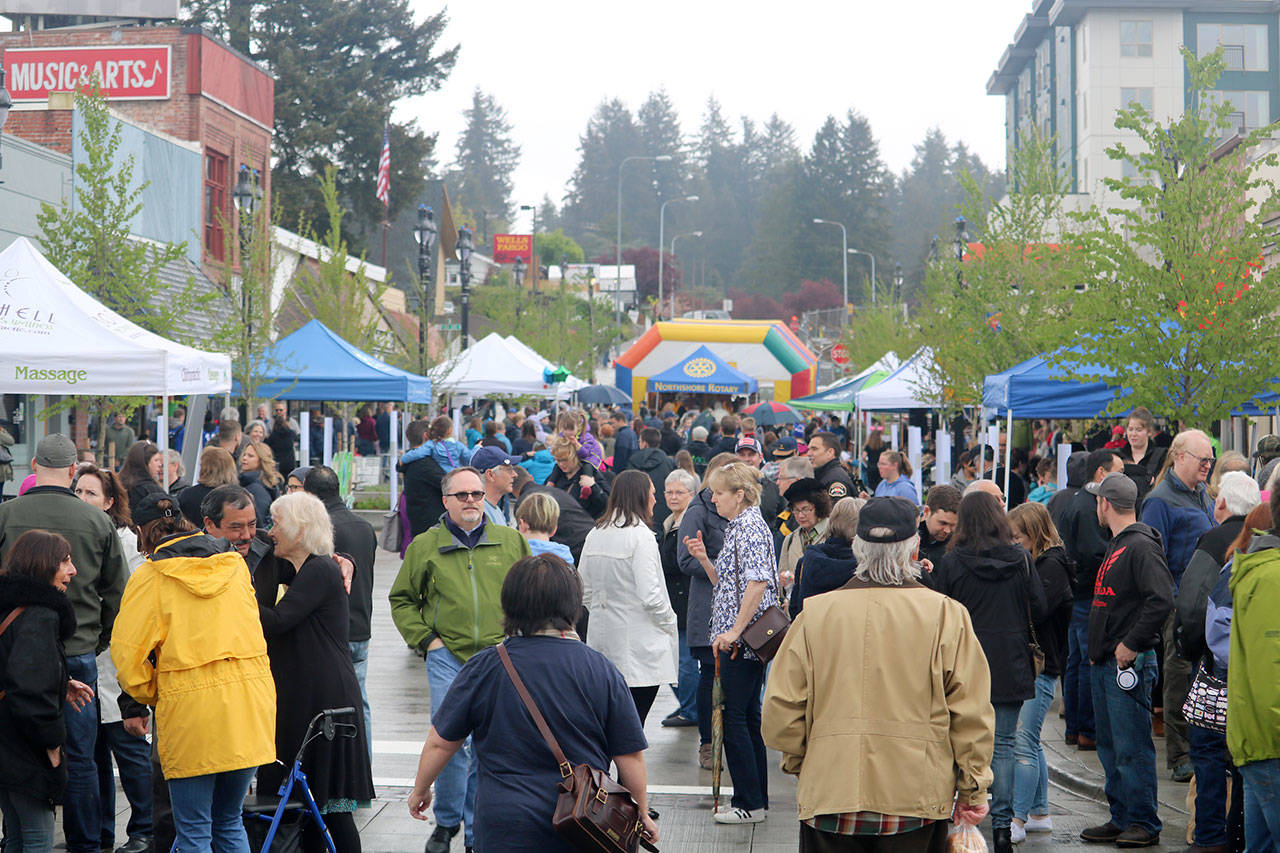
873,277
246,194
6,101
533,246
426,232
959,243
844,255
897,281
673,252
662,212
617,288
465,248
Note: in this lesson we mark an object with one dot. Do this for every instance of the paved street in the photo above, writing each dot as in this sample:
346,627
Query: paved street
679,790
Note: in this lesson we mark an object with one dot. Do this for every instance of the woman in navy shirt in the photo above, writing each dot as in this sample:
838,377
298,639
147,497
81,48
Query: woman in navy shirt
581,694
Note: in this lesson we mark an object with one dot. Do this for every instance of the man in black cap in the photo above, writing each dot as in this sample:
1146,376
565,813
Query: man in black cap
1132,596
918,639
95,593
750,453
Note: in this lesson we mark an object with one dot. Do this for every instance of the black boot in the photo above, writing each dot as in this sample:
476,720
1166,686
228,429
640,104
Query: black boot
1002,840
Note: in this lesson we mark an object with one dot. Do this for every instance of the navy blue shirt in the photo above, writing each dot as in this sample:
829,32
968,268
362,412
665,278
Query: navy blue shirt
587,706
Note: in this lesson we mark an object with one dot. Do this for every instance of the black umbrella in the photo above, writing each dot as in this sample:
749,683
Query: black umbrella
603,395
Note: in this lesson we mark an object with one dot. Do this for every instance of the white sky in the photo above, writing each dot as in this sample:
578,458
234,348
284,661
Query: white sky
906,65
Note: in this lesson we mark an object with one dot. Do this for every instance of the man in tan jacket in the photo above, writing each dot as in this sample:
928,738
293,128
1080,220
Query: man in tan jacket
879,701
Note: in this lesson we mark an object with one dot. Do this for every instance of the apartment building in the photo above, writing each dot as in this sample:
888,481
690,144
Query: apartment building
1073,64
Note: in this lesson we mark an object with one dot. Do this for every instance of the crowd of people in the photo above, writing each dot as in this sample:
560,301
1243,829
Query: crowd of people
581,560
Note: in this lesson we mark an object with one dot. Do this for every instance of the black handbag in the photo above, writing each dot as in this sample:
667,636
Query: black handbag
1037,653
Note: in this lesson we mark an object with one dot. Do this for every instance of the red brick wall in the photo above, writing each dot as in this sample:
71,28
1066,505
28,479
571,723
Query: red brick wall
50,128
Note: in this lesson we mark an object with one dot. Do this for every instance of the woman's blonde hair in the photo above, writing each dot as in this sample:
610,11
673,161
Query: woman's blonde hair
1033,520
217,467
736,476
562,445
843,521
302,517
540,511
271,477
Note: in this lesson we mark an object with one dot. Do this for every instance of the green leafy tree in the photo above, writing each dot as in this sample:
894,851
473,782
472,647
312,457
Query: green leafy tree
1181,306
485,158
557,246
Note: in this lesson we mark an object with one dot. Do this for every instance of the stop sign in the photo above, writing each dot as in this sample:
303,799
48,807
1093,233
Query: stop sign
840,354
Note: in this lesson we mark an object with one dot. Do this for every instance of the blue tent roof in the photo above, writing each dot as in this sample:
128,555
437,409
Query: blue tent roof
703,372
313,363
1035,389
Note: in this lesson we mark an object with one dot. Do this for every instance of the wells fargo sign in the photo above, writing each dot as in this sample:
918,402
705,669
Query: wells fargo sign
508,247
124,72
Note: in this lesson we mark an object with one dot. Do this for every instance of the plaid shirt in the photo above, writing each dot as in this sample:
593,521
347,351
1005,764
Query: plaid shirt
866,823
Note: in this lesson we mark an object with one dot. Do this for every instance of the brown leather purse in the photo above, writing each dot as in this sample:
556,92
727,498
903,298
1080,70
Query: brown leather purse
765,634
593,812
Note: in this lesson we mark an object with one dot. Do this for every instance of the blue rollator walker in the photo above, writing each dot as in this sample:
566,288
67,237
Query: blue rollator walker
294,797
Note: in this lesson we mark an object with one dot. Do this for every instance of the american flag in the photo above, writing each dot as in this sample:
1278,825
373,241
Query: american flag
384,169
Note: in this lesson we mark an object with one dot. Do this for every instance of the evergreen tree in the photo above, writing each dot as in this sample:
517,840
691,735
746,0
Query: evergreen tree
659,134
548,215
589,213
486,156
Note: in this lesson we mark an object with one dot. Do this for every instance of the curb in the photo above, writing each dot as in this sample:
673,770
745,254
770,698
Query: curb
1076,783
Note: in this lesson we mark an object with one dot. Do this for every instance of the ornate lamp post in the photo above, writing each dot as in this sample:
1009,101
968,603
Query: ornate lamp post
246,195
959,243
465,248
425,231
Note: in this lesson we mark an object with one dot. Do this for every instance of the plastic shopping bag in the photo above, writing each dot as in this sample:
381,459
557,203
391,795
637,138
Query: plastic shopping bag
966,838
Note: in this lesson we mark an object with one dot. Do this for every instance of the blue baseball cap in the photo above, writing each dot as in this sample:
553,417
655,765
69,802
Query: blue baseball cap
491,457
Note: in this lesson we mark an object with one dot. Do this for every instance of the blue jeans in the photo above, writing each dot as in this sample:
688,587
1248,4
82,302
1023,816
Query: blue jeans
706,679
1077,700
360,660
1002,763
28,822
81,806
1031,773
1125,747
455,800
207,812
133,757
1261,805
744,751
687,681
1212,762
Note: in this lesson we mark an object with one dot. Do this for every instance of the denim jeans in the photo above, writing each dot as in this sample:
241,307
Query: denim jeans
744,751
207,811
1031,773
687,681
1077,700
1261,805
1125,747
28,822
81,806
1212,763
133,757
360,660
455,801
706,678
1002,763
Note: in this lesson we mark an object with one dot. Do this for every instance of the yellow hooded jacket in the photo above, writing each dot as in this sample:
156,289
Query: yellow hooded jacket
192,604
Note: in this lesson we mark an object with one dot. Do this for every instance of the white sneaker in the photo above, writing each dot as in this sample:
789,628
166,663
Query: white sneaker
1017,834
740,816
1039,824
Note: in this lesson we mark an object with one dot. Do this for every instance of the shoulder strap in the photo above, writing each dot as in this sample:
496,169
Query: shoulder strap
13,614
566,770
1030,592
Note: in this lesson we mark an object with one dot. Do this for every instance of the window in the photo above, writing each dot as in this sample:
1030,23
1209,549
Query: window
216,212
1135,38
1251,110
1244,46
1142,95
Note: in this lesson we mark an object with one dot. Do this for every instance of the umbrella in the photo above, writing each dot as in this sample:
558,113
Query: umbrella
717,735
603,395
770,413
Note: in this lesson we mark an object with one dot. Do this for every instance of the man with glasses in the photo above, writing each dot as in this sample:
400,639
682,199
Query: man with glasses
1180,509
446,603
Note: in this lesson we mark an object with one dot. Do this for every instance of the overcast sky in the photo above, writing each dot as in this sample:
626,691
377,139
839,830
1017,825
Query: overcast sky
907,65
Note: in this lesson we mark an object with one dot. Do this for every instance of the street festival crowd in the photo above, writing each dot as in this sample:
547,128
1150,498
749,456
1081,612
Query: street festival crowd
600,556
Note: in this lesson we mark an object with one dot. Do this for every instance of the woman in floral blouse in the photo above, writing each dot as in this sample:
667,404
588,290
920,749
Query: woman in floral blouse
746,584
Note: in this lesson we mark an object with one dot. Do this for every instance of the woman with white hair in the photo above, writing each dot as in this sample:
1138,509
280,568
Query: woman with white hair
305,620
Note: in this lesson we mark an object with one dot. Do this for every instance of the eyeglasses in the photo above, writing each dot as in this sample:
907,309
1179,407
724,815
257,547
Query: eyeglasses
466,497
1201,461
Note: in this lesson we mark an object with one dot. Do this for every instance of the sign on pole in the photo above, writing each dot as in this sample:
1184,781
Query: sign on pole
840,354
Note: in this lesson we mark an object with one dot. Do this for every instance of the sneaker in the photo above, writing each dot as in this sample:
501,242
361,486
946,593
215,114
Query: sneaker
1084,743
136,844
740,816
704,756
676,720
1136,836
441,839
1017,834
1183,772
1002,840
1107,833
1039,824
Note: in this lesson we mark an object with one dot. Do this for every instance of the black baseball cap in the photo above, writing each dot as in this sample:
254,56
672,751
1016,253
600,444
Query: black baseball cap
886,520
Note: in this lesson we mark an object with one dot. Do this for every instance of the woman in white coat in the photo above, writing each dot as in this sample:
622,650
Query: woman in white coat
631,620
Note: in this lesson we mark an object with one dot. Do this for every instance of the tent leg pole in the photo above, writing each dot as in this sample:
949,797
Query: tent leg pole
1008,457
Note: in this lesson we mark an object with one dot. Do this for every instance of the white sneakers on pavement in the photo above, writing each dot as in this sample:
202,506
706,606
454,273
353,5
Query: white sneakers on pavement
740,816
1018,833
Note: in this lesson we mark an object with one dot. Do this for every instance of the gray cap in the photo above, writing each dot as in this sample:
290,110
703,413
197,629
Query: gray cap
55,451
1117,488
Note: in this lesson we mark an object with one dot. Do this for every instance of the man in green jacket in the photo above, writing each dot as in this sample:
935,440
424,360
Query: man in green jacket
95,594
446,603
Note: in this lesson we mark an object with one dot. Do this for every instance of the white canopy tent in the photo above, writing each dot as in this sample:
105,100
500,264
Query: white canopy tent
530,356
491,367
901,390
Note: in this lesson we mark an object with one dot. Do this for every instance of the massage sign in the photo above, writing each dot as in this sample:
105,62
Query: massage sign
123,72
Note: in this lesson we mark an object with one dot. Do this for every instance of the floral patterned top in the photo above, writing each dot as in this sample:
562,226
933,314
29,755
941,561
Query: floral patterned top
747,555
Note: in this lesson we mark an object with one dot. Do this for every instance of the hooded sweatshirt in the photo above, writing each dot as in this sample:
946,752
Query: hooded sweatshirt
1003,593
1132,595
657,465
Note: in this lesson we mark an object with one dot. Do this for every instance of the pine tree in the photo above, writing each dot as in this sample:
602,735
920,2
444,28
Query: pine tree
660,133
589,212
486,156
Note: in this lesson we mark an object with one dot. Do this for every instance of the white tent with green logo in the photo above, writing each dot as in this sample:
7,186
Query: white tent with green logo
57,339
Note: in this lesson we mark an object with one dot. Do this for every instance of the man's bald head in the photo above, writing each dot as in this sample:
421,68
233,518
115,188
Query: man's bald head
987,486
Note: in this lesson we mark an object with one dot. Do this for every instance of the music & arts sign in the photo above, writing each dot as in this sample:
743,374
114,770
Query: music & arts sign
124,72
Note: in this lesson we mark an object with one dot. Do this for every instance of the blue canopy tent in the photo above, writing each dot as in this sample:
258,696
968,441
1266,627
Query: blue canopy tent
313,363
1037,389
702,372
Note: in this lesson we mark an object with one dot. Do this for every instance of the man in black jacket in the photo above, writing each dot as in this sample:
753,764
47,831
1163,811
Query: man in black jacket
354,537
824,452
751,453
423,500
1086,545
1132,597
940,514
1077,476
